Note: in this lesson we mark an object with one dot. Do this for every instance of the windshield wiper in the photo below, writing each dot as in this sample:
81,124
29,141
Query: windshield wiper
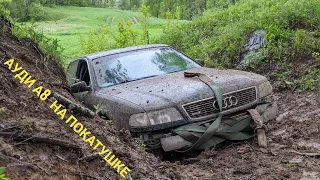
144,78
126,81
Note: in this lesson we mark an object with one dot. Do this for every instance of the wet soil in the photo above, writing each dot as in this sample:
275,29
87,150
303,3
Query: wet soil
296,130
24,113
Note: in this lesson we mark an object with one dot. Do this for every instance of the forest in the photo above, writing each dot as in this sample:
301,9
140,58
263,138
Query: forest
24,10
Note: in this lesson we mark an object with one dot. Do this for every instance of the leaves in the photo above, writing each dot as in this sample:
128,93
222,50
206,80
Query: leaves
2,170
49,46
2,110
2,175
98,109
127,36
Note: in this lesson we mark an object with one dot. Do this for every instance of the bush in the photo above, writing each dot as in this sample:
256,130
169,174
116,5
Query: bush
4,7
219,36
23,12
222,33
104,39
126,36
95,41
49,46
36,12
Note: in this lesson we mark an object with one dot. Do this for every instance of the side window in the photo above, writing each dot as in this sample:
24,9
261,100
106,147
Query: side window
78,71
83,72
71,72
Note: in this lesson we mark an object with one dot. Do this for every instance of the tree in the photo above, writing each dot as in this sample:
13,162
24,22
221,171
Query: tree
124,4
25,10
154,7
189,9
126,37
112,3
18,10
145,11
135,3
35,11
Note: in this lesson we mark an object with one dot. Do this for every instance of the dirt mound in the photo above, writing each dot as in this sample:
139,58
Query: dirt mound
23,113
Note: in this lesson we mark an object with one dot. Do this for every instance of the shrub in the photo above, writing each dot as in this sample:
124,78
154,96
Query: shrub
4,4
126,36
49,46
291,31
104,39
221,33
95,41
36,12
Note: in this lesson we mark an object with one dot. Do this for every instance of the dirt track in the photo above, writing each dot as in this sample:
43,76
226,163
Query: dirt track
297,128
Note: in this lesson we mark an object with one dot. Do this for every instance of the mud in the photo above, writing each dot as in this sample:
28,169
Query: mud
297,129
22,112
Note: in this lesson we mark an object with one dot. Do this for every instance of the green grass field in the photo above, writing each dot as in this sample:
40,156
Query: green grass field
67,23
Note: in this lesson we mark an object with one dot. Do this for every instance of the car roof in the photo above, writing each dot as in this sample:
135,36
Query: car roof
120,50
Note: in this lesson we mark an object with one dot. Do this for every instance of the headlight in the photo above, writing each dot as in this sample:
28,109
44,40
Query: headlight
265,89
154,117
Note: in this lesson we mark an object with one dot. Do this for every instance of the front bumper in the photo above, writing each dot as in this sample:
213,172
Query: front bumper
267,111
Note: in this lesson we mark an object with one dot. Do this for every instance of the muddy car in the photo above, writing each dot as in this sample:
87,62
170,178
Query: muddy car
154,91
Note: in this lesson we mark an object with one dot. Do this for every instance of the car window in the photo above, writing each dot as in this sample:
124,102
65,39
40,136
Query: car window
83,72
135,65
71,72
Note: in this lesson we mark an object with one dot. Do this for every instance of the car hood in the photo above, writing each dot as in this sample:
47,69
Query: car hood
172,90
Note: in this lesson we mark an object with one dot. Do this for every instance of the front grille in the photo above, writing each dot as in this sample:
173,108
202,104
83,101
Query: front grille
206,107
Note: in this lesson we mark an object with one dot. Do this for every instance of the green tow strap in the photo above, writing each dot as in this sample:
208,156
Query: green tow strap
203,135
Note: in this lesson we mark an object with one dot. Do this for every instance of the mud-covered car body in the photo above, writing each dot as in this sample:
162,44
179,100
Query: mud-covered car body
150,107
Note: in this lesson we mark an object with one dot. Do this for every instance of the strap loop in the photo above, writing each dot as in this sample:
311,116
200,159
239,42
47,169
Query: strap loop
216,123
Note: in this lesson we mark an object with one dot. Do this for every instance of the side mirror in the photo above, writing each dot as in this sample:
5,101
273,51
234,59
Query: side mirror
80,87
199,61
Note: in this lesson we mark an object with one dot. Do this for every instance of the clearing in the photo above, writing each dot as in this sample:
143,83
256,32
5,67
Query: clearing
66,23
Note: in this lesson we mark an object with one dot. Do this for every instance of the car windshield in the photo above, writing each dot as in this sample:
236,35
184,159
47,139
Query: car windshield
140,64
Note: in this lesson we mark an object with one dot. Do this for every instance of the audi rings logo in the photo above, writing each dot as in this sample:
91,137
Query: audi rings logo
227,102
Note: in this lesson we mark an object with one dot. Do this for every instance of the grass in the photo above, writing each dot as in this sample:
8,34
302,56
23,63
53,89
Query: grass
67,23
